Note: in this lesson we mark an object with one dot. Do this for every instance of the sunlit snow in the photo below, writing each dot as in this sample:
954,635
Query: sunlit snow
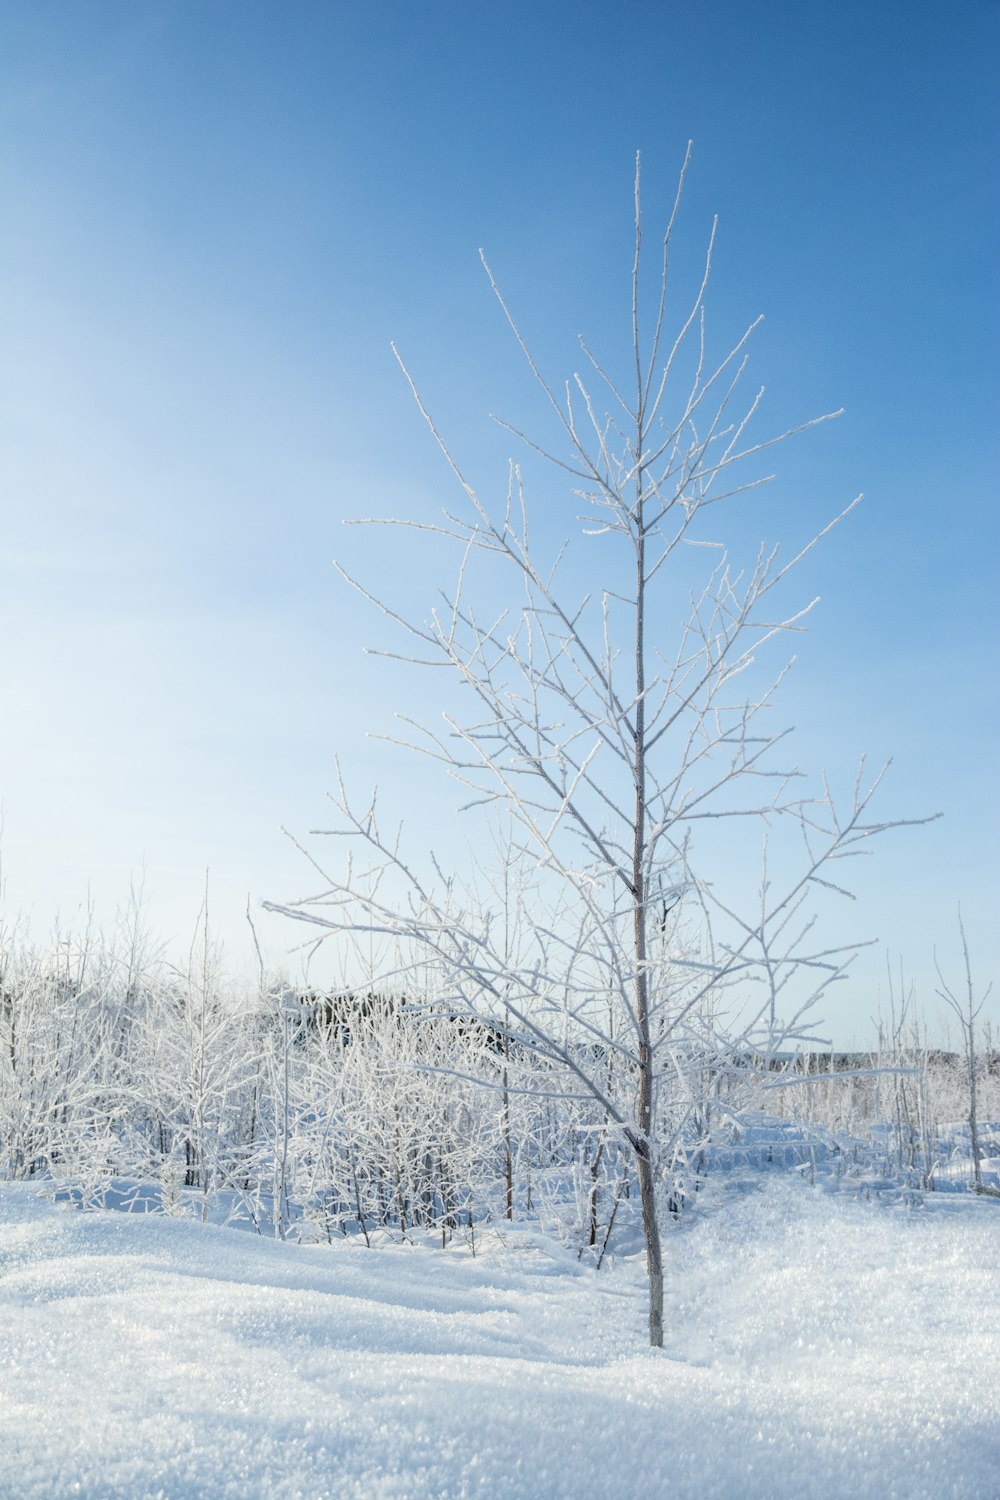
818,1345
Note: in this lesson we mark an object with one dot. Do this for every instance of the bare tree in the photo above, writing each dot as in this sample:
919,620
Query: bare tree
614,747
967,1009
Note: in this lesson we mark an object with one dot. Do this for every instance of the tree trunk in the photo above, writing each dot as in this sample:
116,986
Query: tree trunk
651,1234
977,1170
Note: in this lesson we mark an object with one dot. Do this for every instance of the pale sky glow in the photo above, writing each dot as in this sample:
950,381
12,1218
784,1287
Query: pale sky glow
217,216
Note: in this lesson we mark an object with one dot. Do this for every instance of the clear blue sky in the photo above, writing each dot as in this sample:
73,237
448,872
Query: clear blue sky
216,216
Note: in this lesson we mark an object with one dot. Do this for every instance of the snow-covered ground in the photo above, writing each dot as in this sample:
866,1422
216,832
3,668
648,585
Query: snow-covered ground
817,1346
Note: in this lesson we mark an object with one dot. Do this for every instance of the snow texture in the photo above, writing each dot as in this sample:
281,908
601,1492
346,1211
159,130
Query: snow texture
817,1346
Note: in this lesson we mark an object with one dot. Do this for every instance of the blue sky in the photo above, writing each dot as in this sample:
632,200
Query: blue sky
216,218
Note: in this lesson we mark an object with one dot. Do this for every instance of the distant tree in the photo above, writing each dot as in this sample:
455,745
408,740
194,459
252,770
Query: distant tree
967,1010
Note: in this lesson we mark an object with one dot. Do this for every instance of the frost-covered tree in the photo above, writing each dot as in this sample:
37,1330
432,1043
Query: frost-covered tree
967,1009
616,726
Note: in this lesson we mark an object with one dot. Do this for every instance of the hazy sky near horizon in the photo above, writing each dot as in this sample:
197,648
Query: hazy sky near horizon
216,216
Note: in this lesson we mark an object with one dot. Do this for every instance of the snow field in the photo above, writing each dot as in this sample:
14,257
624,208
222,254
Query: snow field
817,1346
